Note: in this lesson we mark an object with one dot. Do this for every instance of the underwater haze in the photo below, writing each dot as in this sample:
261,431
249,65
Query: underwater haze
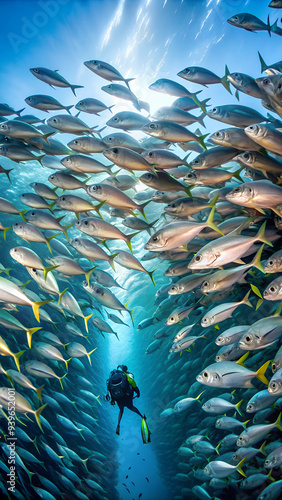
141,225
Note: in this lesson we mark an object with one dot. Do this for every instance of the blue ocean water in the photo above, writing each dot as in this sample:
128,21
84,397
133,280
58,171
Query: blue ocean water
146,40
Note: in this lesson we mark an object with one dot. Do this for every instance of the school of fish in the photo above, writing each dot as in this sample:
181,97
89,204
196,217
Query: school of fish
204,213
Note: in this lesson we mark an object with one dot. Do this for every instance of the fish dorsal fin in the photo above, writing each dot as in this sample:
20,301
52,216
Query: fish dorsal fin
242,359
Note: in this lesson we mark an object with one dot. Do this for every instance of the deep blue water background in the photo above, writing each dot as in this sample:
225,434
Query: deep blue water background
147,40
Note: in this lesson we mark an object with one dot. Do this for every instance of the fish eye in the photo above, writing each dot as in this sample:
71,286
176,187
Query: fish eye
94,62
250,407
32,213
155,238
110,138
217,134
94,187
279,86
236,18
150,154
23,195
115,151
187,71
55,120
52,177
237,190
274,367
250,190
189,176
2,126
266,81
63,198
80,103
273,385
173,205
76,142
115,119
220,339
35,70
85,222
248,338
205,320
205,374
214,110
171,318
15,250
196,162
205,284
198,258
152,126
272,289
33,270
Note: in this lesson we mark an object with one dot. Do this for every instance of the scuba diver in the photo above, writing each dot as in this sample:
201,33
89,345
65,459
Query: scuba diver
121,386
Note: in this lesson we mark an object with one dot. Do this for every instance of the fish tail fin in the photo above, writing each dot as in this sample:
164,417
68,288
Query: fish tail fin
20,111
30,332
47,269
270,476
21,213
42,465
130,311
256,262
34,441
111,261
67,108
188,191
5,232
203,105
84,462
270,27
16,357
210,222
277,423
129,238
200,119
224,80
65,228
198,397
110,107
61,294
151,276
51,206
24,285
142,207
88,274
86,319
201,139
7,270
238,407
200,104
243,358
61,380
67,361
239,467
35,308
127,80
38,392
37,414
73,87
261,373
217,447
153,223
39,158
262,448
81,432
263,64
48,239
46,136
245,424
236,174
246,301
89,353
261,235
